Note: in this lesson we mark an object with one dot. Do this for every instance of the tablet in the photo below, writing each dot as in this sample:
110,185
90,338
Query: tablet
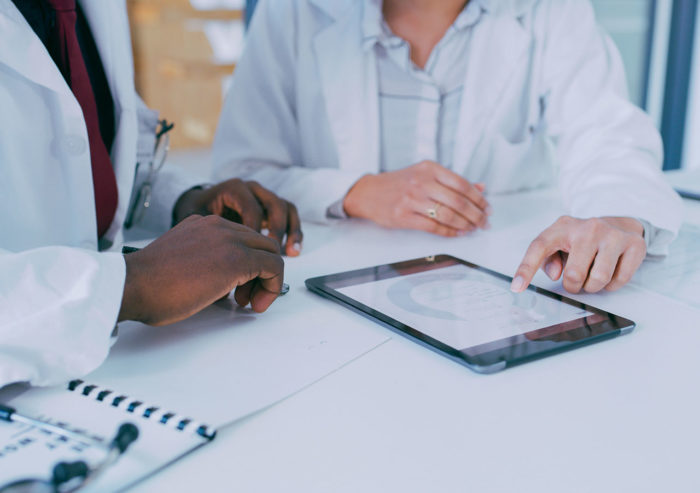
468,313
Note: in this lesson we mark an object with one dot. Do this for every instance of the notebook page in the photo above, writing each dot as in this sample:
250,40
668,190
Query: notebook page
226,363
30,452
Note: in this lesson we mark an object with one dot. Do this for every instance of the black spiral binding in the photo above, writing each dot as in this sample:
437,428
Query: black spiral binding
139,408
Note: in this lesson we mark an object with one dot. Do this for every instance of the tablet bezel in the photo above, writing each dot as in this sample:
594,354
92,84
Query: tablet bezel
483,358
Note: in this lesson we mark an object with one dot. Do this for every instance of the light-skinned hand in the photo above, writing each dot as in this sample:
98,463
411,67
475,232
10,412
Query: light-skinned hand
402,198
589,254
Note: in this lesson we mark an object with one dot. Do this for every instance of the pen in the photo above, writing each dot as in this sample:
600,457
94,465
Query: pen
11,415
128,249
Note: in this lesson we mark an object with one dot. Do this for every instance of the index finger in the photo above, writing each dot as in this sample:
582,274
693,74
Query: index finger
242,200
539,250
268,285
461,185
263,289
294,233
275,209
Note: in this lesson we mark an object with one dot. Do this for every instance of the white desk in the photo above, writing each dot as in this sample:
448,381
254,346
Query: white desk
620,416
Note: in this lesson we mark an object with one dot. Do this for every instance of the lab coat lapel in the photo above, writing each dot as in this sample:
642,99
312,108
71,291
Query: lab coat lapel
23,51
501,43
349,84
109,27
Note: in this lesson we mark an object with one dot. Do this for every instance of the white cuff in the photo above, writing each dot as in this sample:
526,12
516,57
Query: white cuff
336,210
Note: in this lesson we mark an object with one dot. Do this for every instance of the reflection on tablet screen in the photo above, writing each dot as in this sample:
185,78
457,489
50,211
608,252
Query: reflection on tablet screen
462,307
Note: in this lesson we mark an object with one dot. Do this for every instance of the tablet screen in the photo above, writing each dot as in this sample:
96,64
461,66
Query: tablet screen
462,307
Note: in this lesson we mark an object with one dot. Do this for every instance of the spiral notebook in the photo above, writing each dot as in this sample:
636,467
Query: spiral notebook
181,384
31,452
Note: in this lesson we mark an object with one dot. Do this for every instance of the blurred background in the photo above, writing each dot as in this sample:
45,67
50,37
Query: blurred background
186,50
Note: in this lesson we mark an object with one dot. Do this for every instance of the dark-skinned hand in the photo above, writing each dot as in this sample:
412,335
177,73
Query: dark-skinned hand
248,203
196,263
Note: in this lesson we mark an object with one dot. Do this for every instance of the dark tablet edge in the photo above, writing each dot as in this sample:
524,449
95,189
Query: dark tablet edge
317,286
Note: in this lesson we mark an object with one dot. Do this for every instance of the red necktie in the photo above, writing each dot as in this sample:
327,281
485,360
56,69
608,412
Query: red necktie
72,64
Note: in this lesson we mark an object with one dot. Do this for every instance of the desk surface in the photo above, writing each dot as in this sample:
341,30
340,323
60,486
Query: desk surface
617,416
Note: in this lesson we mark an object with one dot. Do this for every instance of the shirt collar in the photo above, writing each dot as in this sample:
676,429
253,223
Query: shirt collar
375,30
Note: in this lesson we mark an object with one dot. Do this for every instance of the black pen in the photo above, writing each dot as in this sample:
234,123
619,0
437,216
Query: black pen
128,249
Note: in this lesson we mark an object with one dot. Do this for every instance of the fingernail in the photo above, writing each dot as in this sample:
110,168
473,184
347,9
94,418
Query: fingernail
550,270
488,210
297,247
487,225
518,284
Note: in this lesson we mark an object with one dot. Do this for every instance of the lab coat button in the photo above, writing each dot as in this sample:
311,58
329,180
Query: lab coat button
74,145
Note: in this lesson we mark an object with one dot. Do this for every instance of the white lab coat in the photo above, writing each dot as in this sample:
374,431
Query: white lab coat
544,98
59,296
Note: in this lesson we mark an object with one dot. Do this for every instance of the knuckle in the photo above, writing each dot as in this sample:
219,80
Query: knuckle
606,245
255,208
212,220
595,226
564,220
463,204
624,277
281,207
273,244
414,182
599,279
538,244
573,275
637,246
600,276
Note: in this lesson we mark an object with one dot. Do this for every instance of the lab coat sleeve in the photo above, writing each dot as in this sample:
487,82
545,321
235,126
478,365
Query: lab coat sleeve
258,136
608,150
58,308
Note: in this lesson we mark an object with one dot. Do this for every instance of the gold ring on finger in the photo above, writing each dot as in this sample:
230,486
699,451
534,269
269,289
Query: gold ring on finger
432,212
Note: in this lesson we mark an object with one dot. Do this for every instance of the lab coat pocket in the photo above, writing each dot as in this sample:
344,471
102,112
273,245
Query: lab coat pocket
513,166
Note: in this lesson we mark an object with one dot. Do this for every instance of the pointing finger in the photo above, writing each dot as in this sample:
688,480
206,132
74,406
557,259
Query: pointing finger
540,249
